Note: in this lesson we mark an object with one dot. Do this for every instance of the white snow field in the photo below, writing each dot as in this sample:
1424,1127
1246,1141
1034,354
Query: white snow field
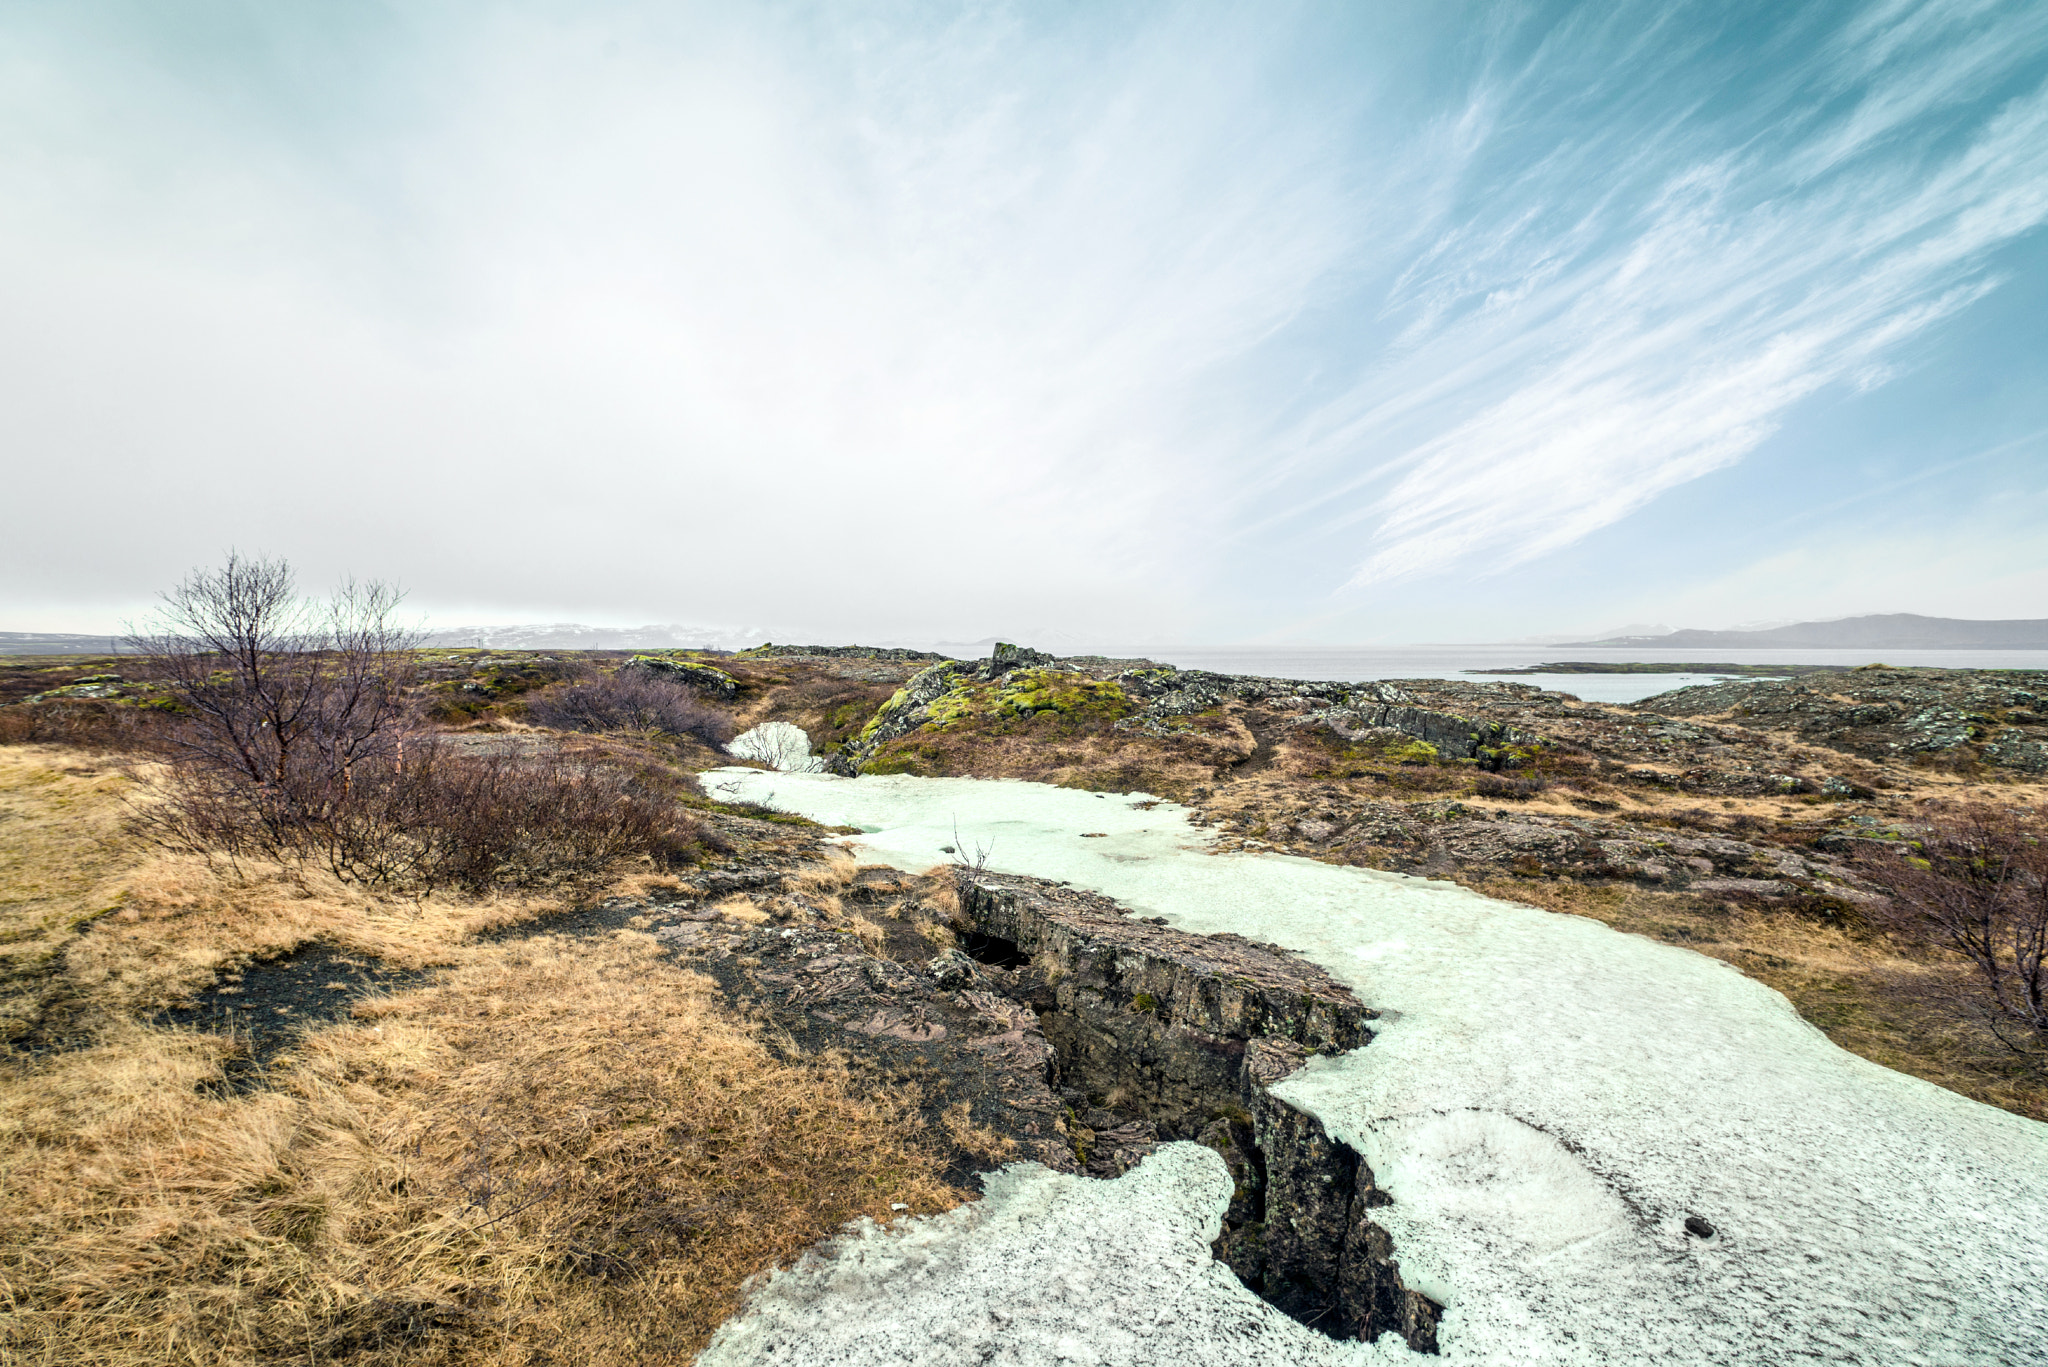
1546,1100
779,745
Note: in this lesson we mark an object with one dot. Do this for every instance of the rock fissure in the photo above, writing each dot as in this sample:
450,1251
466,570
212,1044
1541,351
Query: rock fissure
1027,1020
1159,1035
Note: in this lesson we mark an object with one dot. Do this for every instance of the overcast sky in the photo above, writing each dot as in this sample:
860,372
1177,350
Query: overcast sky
1149,322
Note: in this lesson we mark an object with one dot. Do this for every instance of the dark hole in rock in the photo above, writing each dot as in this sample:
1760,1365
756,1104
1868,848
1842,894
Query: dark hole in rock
994,951
1698,1228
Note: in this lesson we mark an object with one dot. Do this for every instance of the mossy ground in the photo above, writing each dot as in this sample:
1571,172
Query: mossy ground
1060,727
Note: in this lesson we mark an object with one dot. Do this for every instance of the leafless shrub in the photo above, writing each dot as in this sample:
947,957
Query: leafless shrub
1977,884
1510,789
292,743
501,820
968,866
279,699
635,700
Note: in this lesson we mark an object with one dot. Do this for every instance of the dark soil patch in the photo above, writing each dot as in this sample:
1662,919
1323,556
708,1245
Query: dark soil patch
271,1003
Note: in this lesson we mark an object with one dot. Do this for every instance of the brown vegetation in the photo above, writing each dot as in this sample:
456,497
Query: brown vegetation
629,700
293,740
559,1147
434,818
1976,889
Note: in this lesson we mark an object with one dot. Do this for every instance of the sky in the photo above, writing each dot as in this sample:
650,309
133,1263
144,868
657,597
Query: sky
1317,324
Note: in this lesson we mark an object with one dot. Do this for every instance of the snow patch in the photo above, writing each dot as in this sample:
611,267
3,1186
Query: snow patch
1547,1101
779,745
1045,1268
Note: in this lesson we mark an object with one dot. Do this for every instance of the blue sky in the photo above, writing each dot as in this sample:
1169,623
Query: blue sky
1318,323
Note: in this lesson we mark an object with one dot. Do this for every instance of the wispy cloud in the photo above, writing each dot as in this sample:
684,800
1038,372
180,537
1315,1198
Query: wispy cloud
1579,371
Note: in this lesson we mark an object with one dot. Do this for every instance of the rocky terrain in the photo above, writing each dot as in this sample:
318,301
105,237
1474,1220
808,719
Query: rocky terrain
1773,789
1023,1019
1756,789
1994,718
1034,1021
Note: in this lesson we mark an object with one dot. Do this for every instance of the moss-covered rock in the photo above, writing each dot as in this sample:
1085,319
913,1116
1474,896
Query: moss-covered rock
706,679
1030,692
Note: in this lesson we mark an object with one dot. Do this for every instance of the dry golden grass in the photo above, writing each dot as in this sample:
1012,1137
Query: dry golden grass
61,850
562,1151
1857,988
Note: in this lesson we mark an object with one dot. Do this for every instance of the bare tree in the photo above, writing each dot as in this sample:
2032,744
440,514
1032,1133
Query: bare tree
1978,885
280,697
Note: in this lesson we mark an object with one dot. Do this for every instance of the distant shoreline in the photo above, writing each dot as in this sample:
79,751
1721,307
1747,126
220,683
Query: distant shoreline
1673,667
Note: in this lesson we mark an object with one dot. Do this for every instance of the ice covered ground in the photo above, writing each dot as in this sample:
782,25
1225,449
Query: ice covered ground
1547,1101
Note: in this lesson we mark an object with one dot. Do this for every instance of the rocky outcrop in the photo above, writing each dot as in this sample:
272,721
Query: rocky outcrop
1995,717
1006,657
1449,836
706,679
775,652
909,709
1161,697
1350,709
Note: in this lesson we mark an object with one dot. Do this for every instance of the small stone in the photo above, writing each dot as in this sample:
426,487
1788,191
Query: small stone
1698,1228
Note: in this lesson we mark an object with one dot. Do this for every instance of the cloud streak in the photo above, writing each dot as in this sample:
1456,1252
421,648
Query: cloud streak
1590,368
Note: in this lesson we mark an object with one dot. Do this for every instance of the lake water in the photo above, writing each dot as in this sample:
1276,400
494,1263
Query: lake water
1352,664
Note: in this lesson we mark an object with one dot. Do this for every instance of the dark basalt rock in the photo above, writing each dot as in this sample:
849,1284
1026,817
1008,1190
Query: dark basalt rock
1187,1034
1349,709
1006,657
1889,714
909,709
775,652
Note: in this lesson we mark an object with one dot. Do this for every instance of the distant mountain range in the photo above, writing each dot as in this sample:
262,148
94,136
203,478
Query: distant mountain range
535,636
56,643
576,636
1883,631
